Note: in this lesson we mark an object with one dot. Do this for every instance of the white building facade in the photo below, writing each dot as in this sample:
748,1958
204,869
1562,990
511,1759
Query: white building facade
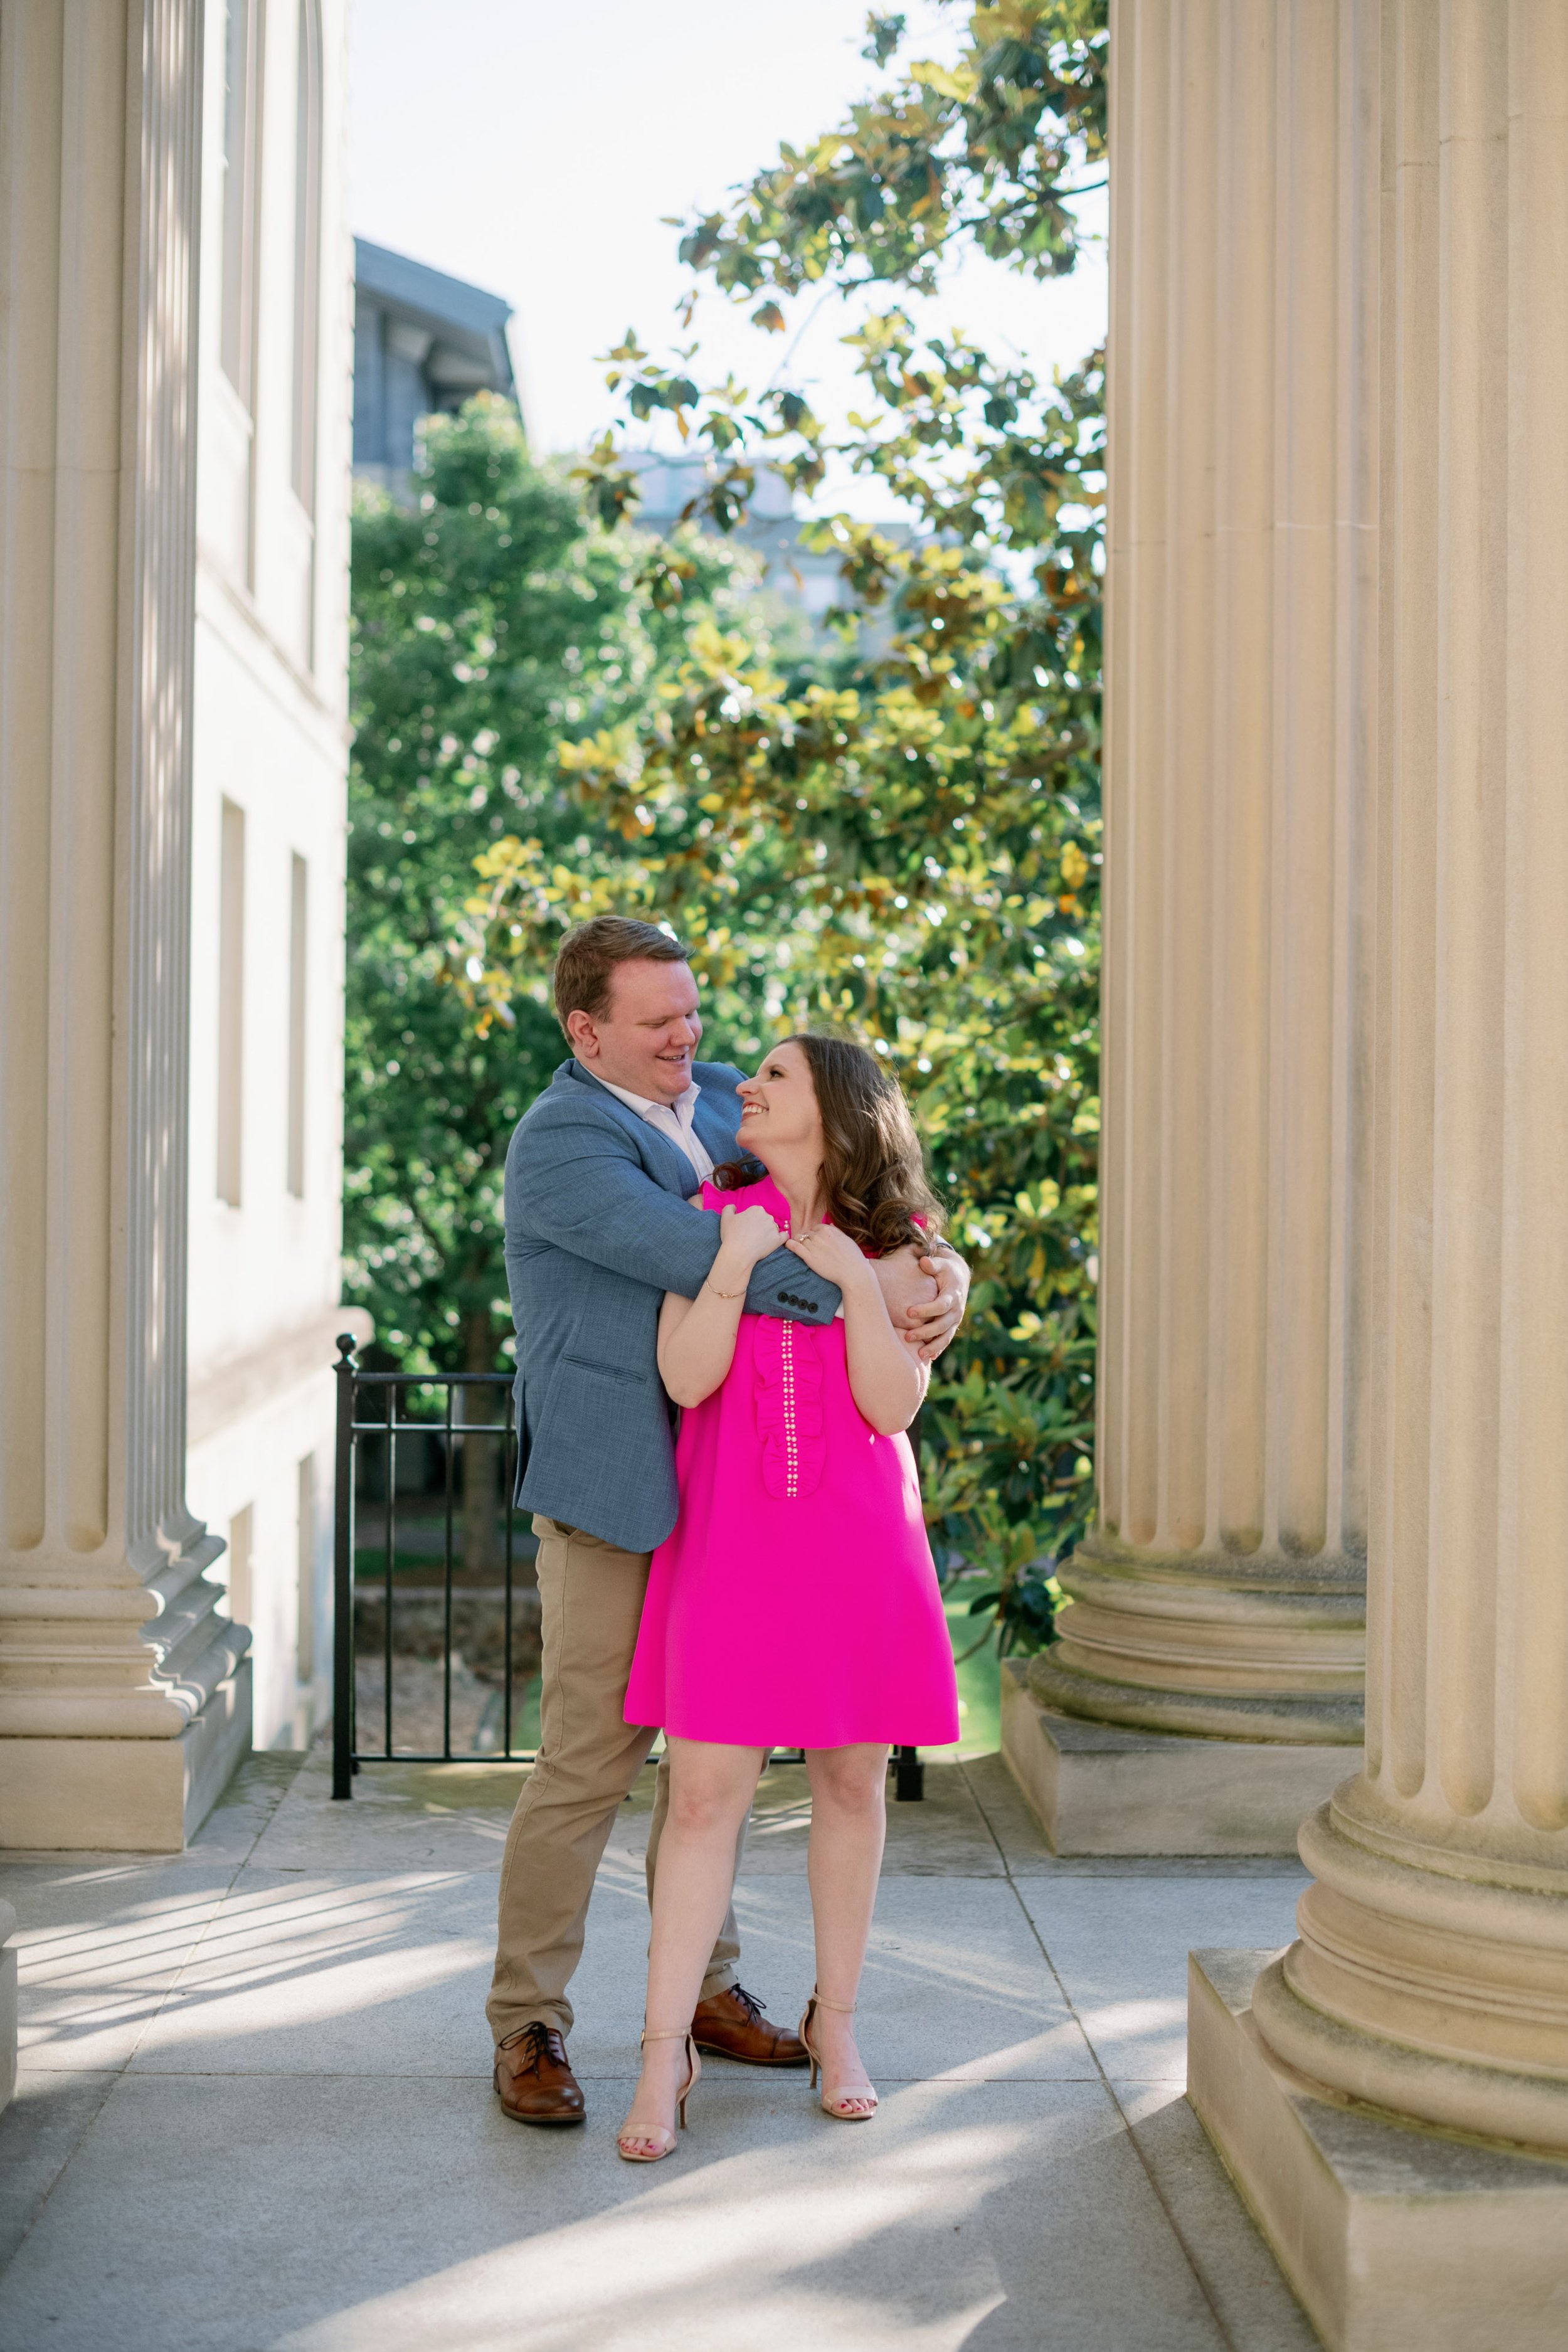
269,767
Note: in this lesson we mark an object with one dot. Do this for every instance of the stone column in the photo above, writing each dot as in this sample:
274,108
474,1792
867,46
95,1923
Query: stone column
1222,1593
123,1700
1430,1979
1431,1973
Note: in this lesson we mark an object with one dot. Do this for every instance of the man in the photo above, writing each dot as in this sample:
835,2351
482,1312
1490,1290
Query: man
598,1226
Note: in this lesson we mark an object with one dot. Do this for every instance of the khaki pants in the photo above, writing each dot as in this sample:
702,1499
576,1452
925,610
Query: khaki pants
591,1597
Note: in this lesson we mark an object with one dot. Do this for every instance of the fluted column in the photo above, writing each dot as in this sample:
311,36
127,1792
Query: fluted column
1431,1976
1222,1591
116,1689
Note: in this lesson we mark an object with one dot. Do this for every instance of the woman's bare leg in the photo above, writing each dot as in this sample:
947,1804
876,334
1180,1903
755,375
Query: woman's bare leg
710,1789
848,1825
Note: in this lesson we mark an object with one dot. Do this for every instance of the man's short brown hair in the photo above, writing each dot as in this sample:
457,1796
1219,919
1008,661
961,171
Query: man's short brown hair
588,955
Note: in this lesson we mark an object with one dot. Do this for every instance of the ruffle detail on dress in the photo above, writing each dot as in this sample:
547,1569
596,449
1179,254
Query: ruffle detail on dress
789,1408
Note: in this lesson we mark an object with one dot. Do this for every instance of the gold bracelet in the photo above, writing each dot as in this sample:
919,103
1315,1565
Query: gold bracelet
725,1294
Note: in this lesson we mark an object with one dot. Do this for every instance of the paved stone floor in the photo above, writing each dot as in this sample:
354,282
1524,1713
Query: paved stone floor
256,2113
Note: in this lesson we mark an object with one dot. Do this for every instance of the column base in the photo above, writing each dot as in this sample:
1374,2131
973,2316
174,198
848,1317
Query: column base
1395,2239
1098,1788
1265,1647
124,1796
1290,1718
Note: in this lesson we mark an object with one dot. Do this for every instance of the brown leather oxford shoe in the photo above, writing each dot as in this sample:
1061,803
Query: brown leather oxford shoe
732,2025
533,2081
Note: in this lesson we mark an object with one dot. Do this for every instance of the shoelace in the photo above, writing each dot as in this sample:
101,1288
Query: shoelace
537,2036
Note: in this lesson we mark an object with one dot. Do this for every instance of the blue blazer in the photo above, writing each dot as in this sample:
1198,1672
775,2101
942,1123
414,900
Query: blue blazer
598,1228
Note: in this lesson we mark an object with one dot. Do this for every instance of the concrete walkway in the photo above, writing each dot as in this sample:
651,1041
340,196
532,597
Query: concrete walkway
256,2110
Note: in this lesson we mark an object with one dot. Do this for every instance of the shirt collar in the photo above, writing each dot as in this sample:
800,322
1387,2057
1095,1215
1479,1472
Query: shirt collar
684,1105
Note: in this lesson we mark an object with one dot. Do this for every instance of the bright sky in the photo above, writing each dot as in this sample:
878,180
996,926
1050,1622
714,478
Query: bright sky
535,149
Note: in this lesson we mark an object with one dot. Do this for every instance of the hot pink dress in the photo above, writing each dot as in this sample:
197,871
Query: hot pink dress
794,1604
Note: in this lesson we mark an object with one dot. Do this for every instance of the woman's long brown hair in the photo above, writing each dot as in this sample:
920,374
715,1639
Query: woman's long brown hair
871,1168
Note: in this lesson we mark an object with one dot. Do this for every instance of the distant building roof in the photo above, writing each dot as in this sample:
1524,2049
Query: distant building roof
809,578
424,342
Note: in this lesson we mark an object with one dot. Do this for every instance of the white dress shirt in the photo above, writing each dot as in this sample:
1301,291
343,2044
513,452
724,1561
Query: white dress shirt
675,1119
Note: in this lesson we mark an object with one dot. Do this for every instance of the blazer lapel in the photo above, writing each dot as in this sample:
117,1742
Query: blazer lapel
666,1164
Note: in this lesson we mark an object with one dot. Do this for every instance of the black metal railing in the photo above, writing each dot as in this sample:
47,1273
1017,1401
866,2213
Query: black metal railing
463,1481
463,1472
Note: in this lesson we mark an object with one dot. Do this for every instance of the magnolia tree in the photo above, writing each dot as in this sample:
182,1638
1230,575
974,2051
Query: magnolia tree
494,623
903,834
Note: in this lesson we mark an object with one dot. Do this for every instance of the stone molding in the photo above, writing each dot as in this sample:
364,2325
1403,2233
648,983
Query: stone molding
222,1393
1223,1647
1425,1993
1309,1720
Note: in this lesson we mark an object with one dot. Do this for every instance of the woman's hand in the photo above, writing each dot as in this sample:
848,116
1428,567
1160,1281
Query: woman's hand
746,1236
886,1379
830,1252
697,1336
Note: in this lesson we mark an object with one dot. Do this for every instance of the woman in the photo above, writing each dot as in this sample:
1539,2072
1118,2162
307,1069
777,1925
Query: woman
795,1603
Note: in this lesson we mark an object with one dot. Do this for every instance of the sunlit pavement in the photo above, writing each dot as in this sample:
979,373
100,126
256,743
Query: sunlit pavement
255,2111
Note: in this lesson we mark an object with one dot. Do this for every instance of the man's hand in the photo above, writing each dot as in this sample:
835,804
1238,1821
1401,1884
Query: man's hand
925,1297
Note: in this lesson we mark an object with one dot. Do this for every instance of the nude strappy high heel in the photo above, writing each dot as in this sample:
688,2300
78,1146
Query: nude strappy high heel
660,2131
843,2107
